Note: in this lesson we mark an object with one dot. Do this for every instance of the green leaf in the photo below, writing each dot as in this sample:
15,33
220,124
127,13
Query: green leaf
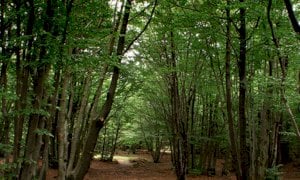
43,132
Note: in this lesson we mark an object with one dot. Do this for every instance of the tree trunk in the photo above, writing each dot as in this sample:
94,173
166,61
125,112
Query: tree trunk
36,122
77,124
262,146
115,140
28,168
232,136
244,154
4,132
62,128
22,83
283,61
103,154
293,19
266,123
53,120
45,156
5,58
94,106
178,121
83,164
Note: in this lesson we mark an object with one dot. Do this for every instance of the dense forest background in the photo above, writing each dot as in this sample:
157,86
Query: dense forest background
203,79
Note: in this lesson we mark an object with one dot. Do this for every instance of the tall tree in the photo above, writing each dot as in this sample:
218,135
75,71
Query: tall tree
244,153
232,134
84,162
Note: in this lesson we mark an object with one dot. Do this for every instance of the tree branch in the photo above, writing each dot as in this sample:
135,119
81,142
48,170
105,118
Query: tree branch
293,19
144,29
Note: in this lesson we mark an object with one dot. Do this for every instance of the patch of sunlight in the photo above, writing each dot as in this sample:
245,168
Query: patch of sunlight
123,160
97,156
118,157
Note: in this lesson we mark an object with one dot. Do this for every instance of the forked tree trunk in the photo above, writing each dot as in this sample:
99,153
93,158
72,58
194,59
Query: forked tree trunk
22,83
178,121
39,75
93,110
96,124
94,106
36,122
77,124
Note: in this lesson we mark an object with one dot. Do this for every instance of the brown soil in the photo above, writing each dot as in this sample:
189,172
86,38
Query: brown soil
291,171
140,167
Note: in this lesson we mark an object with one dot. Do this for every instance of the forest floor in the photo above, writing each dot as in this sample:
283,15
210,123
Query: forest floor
140,167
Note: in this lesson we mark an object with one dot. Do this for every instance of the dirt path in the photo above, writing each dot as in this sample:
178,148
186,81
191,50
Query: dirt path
135,167
140,167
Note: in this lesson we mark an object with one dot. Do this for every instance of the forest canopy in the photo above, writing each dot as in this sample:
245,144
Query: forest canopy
205,79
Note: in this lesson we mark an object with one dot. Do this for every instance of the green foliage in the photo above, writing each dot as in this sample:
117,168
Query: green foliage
130,135
274,173
44,132
141,109
6,148
196,172
6,171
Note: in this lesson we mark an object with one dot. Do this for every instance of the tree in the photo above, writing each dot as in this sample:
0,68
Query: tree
232,134
242,93
67,67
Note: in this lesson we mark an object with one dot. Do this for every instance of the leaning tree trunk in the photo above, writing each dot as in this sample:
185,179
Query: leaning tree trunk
293,19
283,62
96,124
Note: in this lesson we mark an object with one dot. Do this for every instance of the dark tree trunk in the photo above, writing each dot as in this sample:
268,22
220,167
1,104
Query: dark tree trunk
39,75
4,132
244,153
22,79
5,55
293,19
36,121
